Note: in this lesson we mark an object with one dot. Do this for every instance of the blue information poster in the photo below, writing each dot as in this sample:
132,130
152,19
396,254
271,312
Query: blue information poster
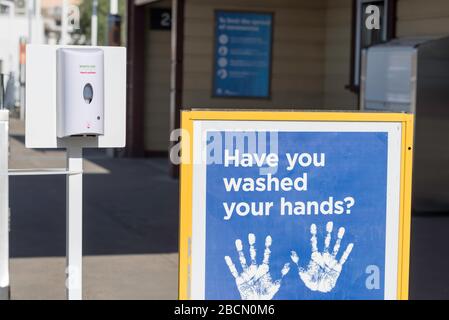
242,62
316,217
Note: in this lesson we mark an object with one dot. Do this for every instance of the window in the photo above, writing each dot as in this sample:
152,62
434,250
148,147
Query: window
364,37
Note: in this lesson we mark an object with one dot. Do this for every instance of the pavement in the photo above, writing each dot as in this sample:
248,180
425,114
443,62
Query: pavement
130,226
131,230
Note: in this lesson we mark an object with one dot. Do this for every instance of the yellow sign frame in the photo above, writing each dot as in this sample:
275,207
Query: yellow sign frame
185,230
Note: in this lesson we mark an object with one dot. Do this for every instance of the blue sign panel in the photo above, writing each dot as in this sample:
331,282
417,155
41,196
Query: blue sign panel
311,226
242,54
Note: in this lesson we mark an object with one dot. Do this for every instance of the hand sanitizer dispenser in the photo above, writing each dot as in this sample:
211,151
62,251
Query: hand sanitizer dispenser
80,92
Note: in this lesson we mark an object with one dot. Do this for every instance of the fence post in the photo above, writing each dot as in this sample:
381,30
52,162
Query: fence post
74,220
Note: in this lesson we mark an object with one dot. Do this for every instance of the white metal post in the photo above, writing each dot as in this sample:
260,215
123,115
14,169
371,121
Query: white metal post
30,17
4,207
74,221
113,6
94,24
65,23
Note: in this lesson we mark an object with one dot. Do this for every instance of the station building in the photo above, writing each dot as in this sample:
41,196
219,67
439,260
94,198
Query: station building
314,56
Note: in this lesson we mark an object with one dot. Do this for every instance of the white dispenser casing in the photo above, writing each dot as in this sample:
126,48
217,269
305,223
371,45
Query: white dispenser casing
80,92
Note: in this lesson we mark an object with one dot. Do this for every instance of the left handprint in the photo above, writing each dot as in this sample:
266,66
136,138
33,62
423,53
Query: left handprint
255,282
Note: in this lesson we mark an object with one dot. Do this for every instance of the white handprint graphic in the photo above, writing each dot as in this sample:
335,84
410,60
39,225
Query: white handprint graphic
323,269
255,282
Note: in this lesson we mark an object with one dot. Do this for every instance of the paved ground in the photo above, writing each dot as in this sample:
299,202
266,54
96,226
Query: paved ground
429,266
131,229
130,226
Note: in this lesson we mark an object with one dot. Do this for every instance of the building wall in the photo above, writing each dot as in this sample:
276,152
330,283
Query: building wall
311,56
338,56
157,84
414,18
298,55
422,18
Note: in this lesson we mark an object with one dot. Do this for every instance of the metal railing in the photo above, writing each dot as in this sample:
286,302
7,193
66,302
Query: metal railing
4,207
2,91
2,86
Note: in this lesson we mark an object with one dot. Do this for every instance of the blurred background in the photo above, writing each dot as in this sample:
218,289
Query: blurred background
42,22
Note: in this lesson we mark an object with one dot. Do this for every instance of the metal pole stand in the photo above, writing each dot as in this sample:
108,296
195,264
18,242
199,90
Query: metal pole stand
74,223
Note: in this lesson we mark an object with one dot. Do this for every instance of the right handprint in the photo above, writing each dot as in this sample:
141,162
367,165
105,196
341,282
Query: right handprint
323,270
